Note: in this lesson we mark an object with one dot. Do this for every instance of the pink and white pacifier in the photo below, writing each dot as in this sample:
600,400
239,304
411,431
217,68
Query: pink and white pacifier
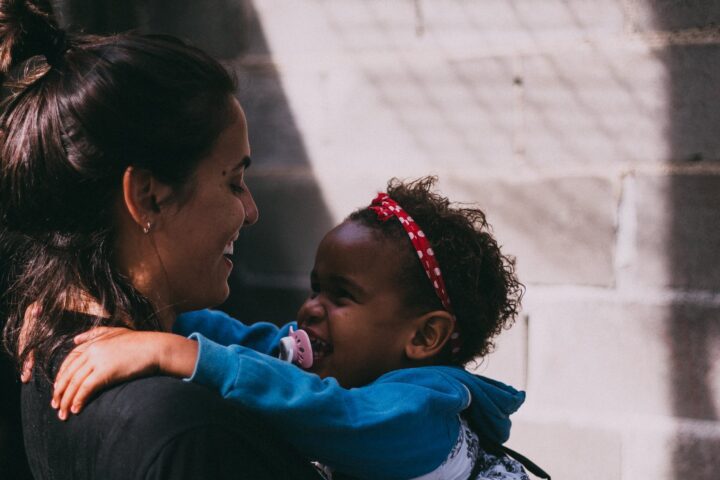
296,348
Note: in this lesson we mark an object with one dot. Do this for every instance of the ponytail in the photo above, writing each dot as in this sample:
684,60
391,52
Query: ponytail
28,28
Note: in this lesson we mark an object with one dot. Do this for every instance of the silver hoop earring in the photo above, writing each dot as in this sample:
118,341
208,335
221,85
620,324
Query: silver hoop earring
146,229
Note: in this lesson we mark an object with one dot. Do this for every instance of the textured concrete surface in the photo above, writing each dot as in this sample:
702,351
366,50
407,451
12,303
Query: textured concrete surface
696,456
595,452
648,15
561,230
509,359
680,450
619,358
677,242
597,106
692,73
588,132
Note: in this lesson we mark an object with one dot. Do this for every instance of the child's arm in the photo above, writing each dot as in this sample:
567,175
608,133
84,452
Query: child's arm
226,330
399,427
393,429
105,356
91,367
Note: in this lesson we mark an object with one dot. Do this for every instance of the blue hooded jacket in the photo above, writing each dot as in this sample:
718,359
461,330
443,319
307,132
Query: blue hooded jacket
402,425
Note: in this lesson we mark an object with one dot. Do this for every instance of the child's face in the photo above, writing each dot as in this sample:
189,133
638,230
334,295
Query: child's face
356,307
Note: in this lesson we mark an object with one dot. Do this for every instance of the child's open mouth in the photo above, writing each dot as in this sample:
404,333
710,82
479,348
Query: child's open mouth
320,348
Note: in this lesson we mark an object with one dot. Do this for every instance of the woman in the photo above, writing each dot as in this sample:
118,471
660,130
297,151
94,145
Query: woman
122,191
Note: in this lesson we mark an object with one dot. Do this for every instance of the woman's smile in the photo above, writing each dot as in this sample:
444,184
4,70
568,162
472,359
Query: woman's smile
228,253
197,245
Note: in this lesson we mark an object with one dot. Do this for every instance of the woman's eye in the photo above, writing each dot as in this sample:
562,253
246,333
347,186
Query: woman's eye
237,188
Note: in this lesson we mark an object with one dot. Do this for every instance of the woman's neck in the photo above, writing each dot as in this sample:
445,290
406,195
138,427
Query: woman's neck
138,260
82,302
145,284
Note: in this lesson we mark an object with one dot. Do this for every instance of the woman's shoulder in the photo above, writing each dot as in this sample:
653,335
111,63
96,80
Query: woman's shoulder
155,427
162,407
189,431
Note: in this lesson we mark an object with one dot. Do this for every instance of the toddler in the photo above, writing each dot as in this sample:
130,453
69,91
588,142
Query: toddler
405,292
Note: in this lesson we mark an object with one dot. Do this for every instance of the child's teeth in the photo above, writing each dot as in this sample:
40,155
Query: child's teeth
320,346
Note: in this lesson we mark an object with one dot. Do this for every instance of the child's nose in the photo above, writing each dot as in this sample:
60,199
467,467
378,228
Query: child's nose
311,311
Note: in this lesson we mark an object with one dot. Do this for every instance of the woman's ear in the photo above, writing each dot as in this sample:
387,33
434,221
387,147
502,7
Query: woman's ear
432,333
143,194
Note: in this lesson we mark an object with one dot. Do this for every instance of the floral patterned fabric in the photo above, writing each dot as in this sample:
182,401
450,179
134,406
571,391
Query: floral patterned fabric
500,468
491,467
465,457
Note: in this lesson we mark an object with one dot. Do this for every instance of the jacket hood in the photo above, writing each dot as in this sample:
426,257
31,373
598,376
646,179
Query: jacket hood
491,404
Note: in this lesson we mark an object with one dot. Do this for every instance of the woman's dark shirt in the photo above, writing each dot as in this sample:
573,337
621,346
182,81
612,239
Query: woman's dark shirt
153,428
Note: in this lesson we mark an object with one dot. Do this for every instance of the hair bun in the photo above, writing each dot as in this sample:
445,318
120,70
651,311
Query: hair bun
28,28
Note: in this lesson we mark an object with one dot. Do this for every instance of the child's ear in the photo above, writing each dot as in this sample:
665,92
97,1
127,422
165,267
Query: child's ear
432,333
143,194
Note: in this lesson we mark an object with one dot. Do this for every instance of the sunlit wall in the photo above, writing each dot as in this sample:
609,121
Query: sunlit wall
589,132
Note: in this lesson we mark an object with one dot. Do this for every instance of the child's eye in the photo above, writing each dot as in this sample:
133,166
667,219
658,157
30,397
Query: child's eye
237,188
341,293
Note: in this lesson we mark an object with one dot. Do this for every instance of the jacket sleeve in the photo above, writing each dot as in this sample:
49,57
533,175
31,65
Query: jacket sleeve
400,426
223,329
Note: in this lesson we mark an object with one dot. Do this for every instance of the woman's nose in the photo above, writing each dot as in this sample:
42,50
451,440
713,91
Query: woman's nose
311,311
251,209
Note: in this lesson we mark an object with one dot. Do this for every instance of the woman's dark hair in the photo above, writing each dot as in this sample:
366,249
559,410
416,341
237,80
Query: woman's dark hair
480,280
79,110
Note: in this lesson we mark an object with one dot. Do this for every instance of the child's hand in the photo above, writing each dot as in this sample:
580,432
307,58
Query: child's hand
31,314
27,368
104,356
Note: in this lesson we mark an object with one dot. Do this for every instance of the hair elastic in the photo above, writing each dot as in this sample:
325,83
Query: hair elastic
386,208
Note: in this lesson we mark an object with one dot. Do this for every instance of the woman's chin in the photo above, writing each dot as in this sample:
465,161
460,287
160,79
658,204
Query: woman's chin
223,295
214,298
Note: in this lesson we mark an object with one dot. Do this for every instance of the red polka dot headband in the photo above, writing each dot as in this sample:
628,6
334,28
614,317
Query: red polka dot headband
386,208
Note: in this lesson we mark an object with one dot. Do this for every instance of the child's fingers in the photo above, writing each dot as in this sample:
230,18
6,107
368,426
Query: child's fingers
91,334
90,385
70,363
27,368
73,362
69,394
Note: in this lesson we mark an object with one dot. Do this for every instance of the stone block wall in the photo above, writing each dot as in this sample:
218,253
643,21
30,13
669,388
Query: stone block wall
588,131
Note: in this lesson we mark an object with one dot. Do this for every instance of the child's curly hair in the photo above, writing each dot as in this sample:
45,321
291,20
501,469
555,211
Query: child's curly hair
480,280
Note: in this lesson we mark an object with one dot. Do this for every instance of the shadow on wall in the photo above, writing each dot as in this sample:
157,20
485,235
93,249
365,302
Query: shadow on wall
693,243
214,26
265,284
